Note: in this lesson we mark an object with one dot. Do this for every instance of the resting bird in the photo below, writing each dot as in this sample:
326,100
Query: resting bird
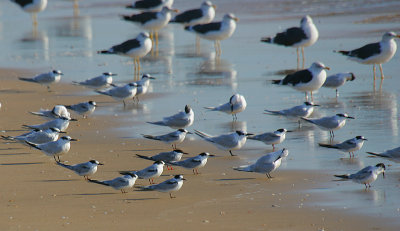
350,145
337,80
150,5
271,138
366,175
45,78
173,138
182,119
83,169
84,108
330,123
58,111
128,91
193,163
171,185
61,123
102,81
37,136
153,171
120,183
237,103
304,110
33,7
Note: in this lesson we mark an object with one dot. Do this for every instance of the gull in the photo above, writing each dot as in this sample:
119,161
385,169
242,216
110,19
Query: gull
375,53
150,5
181,119
135,48
58,111
54,148
37,136
269,138
237,103
84,108
231,141
337,80
392,154
350,145
167,157
128,91
330,123
33,7
151,172
216,31
193,163
151,21
366,175
298,37
170,185
46,79
173,138
83,169
266,164
60,123
307,80
102,81
120,183
304,110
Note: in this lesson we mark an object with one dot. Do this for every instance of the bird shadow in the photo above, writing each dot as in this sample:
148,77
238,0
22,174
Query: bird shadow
64,180
15,154
88,194
285,71
19,164
232,179
141,199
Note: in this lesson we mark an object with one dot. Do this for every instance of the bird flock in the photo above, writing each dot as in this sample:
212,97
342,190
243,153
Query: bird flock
153,16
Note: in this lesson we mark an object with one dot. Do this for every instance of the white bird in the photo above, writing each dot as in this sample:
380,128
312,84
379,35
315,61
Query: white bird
304,110
135,48
392,154
98,82
46,79
37,136
171,185
375,53
127,91
61,123
84,108
167,157
83,169
54,148
266,164
271,138
366,175
173,138
181,119
58,111
350,145
330,123
153,171
216,31
307,80
143,84
231,141
237,103
33,7
337,80
193,163
150,5
204,14
120,183
298,37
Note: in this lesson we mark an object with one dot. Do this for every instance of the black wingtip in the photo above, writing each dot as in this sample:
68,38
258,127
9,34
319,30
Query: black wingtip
275,81
266,40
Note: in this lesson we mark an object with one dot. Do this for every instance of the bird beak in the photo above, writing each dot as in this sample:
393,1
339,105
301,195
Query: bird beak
249,134
73,119
289,131
61,132
189,132
212,155
183,179
350,117
316,105
365,139
151,77
327,68
73,140
175,10
100,164
214,6
398,36
236,19
113,74
383,174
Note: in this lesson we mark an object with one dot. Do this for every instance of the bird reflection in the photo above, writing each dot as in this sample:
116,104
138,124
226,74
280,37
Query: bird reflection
234,126
37,39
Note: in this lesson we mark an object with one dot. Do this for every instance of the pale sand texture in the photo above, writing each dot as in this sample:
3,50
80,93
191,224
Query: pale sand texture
36,194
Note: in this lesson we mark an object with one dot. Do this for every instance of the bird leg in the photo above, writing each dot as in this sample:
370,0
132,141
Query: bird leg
380,68
298,58
230,151
374,70
170,196
304,58
273,147
197,44
156,34
312,98
337,93
34,20
269,176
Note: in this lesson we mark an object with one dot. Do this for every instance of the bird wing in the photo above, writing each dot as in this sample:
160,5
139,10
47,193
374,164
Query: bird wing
188,16
142,17
126,46
290,37
302,76
205,28
366,51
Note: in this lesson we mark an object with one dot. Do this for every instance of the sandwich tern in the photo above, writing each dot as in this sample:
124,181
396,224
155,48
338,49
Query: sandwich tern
337,80
170,185
128,91
83,169
46,79
167,157
330,123
54,148
237,103
55,113
193,163
173,138
84,108
350,145
181,119
271,138
102,81
37,136
61,123
153,171
120,183
366,175
392,154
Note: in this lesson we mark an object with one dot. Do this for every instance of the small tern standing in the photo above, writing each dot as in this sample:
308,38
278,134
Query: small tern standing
83,169
171,185
61,123
54,148
120,183
37,136
143,84
173,138
102,81
337,80
330,123
127,91
181,119
153,171
271,138
193,163
55,113
167,157
84,108
392,154
45,78
304,110
237,103
350,145
366,175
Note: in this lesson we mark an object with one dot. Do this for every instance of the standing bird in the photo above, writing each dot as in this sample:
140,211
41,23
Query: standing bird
181,119
143,84
173,138
151,21
151,172
303,36
84,108
350,145
83,169
337,80
33,7
61,123
231,141
193,163
46,79
375,53
330,123
58,111
366,175
392,154
171,185
266,164
102,81
135,48
216,31
307,80
54,148
303,110
271,138
120,183
167,157
150,5
128,91
237,103
37,136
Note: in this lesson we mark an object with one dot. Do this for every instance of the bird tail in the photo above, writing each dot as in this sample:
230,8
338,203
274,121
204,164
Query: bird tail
376,154
104,52
271,112
346,176
276,81
32,145
161,123
201,134
343,52
151,137
126,172
126,17
76,83
210,108
267,40
102,92
7,138
328,146
68,106
27,79
98,182
188,28
29,126
144,157
64,165
244,168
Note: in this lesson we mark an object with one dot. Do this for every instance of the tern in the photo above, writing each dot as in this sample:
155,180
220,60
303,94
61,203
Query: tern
54,148
83,169
237,103
167,157
366,175
271,138
171,185
84,108
153,171
120,183
182,119
37,136
304,110
102,81
330,123
127,91
193,163
46,79
173,138
61,123
392,154
337,80
58,111
350,145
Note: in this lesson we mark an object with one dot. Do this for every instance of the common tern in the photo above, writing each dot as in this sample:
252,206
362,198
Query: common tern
330,123
271,138
83,169
37,136
120,183
61,123
153,171
171,185
392,154
102,81
173,138
181,119
366,175
84,108
193,163
127,91
167,157
350,145
304,110
337,80
54,148
45,78
237,103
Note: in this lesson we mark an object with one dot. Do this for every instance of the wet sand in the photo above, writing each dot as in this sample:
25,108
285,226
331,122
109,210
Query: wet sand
36,194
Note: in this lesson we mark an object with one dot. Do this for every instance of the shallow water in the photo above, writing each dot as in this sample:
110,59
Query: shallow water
184,76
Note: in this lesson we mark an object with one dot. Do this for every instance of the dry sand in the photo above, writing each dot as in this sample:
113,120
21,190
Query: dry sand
36,194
